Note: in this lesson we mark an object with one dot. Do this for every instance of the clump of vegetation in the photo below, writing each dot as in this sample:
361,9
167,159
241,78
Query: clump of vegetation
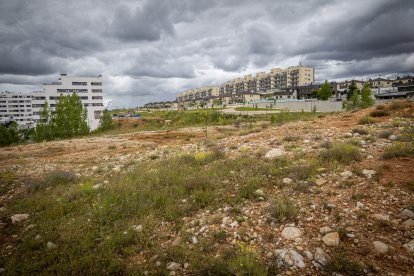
342,264
343,153
326,144
356,100
360,131
379,113
367,120
385,134
282,208
52,179
246,262
105,122
399,150
291,138
9,135
324,93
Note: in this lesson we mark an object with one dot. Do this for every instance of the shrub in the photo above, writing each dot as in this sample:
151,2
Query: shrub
399,150
9,135
341,263
385,134
343,153
379,113
360,131
291,138
282,208
380,107
367,120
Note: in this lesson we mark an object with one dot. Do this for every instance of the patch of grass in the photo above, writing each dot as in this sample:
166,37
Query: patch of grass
399,150
52,179
342,264
410,186
282,208
367,120
219,236
342,153
291,138
246,263
111,147
326,144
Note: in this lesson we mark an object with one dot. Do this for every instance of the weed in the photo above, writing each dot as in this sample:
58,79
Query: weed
326,144
399,150
282,208
343,153
342,264
385,134
219,236
380,107
410,186
111,147
367,120
360,131
291,138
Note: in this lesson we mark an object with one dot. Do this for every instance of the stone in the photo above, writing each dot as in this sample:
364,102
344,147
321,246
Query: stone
51,245
259,192
320,181
346,174
234,224
393,137
325,230
96,186
177,241
289,258
227,209
380,248
274,153
364,250
408,224
291,233
19,218
321,257
287,181
194,240
359,205
308,255
406,213
137,228
368,173
331,239
173,266
381,217
410,246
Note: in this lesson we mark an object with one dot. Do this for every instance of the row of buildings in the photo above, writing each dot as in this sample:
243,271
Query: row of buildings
25,108
290,84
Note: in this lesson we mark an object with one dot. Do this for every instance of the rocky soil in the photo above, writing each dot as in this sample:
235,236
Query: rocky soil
363,209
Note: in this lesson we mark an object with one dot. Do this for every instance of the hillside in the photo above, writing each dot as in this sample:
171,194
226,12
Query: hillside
329,193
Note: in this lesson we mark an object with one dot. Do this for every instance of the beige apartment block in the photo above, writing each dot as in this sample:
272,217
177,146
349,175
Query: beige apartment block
380,83
250,83
238,85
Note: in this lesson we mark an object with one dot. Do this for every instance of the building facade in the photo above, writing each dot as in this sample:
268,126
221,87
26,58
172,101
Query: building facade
89,90
16,107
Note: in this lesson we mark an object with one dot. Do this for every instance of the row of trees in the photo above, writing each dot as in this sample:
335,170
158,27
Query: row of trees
9,135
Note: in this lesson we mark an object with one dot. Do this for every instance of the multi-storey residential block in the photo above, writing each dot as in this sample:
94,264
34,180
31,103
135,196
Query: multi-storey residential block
16,107
89,90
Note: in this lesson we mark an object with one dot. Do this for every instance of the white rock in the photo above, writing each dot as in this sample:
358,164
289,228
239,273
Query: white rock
393,137
287,181
320,181
137,228
273,153
410,246
325,229
346,174
331,239
226,220
51,245
291,233
289,258
308,255
381,217
321,257
227,209
408,224
194,240
359,205
234,224
406,213
19,217
259,192
368,173
173,266
380,248
96,186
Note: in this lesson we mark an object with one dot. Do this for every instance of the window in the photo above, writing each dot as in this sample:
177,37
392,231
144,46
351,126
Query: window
84,97
53,98
97,104
96,97
79,83
96,90
72,90
96,83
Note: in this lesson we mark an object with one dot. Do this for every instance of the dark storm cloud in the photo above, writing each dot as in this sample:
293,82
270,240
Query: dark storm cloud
153,49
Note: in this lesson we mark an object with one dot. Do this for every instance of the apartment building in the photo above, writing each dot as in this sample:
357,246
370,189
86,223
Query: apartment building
278,82
16,107
89,89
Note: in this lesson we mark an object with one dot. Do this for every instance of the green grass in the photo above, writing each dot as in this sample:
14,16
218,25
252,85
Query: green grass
282,208
342,153
399,149
367,120
342,264
253,109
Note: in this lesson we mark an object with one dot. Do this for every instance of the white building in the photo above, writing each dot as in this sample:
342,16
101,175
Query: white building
16,107
89,89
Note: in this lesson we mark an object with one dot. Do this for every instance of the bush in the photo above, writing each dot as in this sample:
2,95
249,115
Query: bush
385,134
282,208
360,131
399,150
379,113
367,120
9,135
340,263
343,153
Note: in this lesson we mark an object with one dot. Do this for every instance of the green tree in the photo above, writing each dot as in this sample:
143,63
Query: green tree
9,135
366,98
325,92
354,102
43,130
352,88
105,122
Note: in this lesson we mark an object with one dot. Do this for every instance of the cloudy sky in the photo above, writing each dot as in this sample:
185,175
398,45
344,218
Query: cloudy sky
150,50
